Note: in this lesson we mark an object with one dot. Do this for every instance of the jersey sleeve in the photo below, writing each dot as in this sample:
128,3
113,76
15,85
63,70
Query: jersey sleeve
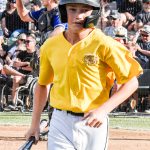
46,71
119,58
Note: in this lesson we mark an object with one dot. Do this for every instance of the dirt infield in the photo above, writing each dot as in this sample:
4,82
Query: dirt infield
12,137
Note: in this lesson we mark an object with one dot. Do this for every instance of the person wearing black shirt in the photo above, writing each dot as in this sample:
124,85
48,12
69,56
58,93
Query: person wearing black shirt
47,18
23,64
143,47
143,17
130,8
11,20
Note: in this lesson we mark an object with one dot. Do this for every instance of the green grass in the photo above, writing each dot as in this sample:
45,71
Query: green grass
134,123
16,118
123,122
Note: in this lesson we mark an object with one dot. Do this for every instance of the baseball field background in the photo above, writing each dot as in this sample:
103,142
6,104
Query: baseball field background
127,131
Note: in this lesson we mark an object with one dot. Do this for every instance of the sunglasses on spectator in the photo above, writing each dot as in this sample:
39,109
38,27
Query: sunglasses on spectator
147,3
22,40
111,18
28,41
145,35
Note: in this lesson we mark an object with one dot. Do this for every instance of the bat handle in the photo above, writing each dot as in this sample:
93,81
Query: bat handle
28,144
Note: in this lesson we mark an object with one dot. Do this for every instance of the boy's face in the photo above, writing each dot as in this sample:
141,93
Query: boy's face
76,14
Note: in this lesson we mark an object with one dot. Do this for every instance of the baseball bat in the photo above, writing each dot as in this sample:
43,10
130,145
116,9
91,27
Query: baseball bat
28,144
43,131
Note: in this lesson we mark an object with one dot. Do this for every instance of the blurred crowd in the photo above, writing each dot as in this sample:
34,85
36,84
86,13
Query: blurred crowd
127,21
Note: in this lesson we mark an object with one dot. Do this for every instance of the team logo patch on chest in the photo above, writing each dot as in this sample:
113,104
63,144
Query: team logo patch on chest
90,59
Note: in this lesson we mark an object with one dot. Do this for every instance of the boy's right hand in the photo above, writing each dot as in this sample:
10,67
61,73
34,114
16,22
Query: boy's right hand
33,132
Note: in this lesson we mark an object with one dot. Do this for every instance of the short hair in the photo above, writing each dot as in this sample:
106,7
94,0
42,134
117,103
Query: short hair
32,36
36,2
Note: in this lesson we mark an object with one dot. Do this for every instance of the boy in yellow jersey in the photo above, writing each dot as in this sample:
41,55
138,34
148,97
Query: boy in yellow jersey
81,62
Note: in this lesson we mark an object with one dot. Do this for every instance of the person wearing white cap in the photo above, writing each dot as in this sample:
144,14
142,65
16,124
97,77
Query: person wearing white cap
115,24
143,47
19,46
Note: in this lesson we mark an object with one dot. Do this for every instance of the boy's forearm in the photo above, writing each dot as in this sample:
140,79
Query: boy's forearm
121,95
40,98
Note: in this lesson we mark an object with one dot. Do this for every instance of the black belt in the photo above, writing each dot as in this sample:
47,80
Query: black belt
72,113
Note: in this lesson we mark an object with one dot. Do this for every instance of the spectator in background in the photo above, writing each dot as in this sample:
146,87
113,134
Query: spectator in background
1,31
118,3
143,47
47,18
20,45
11,20
2,5
106,7
36,5
23,64
1,41
1,67
116,24
2,58
130,8
143,17
132,48
103,21
2,52
121,36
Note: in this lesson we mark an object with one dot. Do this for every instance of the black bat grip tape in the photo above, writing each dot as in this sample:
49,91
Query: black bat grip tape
28,144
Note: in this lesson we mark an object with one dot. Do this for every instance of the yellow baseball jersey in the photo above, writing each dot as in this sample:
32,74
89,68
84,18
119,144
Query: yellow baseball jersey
83,73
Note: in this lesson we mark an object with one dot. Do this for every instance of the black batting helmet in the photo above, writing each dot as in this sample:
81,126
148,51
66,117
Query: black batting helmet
90,20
